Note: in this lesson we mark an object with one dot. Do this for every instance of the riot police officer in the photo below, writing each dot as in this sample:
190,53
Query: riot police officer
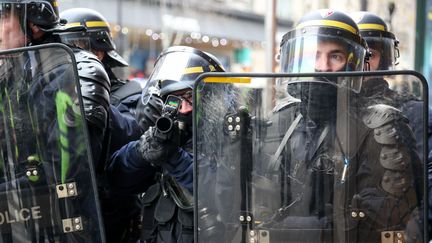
160,163
120,212
42,121
383,46
124,94
331,165
95,36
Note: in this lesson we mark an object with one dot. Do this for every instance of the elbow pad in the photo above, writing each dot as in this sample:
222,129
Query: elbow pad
95,86
392,132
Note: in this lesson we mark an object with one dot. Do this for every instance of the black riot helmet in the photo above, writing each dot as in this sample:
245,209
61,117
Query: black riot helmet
97,34
379,39
178,67
22,14
43,13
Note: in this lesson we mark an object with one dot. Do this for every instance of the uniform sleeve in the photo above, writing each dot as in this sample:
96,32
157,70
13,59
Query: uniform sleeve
129,173
123,129
181,168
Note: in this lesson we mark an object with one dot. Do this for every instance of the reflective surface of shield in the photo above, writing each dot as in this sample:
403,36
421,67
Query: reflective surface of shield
47,187
306,158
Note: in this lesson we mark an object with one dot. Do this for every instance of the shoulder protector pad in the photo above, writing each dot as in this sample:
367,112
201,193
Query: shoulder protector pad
129,89
395,182
394,158
379,115
89,67
285,103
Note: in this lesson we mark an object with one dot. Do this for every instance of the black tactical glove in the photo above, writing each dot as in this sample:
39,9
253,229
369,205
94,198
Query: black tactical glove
154,150
147,113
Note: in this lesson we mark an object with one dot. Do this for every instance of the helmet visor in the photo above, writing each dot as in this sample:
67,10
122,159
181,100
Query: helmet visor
322,50
88,40
319,51
80,40
384,53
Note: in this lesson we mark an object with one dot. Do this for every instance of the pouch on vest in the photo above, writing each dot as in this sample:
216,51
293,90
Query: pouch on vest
185,218
147,213
182,197
165,209
185,221
151,194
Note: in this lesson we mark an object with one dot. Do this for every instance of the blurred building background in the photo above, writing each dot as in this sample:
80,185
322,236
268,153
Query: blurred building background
231,30
234,30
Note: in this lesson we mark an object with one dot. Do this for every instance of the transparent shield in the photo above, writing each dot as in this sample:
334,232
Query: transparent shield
325,164
47,188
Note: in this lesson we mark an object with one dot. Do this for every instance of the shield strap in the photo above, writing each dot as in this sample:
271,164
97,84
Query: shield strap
274,164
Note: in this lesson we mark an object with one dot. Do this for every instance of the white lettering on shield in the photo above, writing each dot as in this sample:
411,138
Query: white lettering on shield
20,215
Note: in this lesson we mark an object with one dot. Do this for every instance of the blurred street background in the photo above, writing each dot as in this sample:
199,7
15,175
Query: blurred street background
245,34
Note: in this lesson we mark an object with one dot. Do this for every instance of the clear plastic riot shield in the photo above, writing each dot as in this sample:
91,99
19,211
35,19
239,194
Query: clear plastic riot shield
323,157
47,187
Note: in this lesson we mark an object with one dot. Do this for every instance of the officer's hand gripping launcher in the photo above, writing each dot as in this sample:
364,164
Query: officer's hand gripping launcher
165,125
